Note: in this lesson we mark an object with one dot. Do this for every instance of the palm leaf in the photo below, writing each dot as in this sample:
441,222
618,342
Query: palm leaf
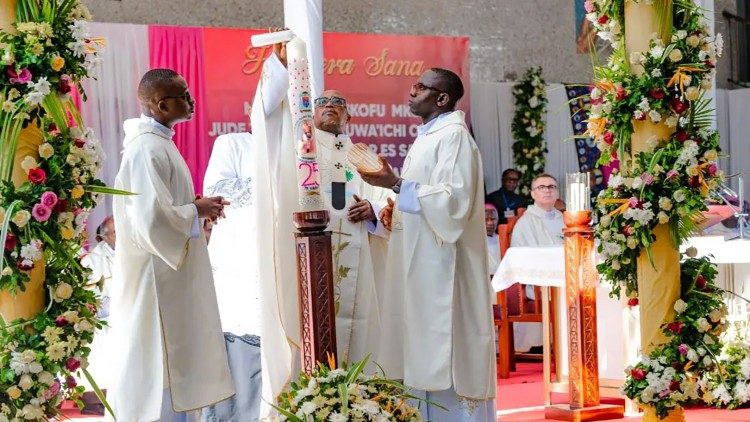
107,190
98,392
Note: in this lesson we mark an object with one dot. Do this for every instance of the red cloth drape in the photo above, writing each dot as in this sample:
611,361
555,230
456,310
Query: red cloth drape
181,49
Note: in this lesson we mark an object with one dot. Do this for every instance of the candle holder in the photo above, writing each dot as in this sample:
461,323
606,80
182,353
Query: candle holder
580,294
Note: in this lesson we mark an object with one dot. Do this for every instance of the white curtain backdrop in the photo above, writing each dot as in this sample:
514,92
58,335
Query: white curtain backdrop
112,98
492,114
738,135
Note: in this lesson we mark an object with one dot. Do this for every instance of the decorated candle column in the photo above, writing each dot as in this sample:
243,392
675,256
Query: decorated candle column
301,102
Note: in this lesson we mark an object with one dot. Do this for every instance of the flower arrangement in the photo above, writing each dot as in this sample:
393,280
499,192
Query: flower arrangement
669,181
729,386
345,394
671,375
528,127
44,210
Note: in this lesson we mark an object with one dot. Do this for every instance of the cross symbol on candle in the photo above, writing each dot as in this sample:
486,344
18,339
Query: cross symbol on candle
339,145
338,166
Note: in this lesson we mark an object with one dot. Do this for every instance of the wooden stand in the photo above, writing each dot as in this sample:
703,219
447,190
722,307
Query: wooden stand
315,283
580,293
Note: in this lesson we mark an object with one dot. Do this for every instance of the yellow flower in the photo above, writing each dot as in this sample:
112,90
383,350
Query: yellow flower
67,232
13,94
2,213
693,41
57,63
77,192
56,351
63,291
9,106
675,55
37,49
692,93
29,163
21,218
711,155
46,150
14,392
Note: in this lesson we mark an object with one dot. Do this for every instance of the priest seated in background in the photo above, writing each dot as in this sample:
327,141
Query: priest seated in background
540,225
505,199
493,242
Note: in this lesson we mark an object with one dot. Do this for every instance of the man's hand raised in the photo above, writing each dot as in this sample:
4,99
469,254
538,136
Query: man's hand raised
211,208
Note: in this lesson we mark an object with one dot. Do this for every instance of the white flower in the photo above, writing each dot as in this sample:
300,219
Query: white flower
681,34
31,252
637,57
637,183
644,105
719,44
663,217
638,114
665,203
83,325
605,220
693,356
654,116
35,367
46,378
745,367
671,121
28,163
337,417
715,315
533,102
25,382
308,407
39,90
742,392
708,339
679,196
680,306
692,93
707,360
703,325
656,51
616,265
656,73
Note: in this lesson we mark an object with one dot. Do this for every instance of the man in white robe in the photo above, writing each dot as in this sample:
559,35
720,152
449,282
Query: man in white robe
540,225
352,216
437,312
231,250
170,355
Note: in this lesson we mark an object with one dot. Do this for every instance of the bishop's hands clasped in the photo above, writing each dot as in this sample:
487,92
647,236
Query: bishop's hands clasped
361,211
211,208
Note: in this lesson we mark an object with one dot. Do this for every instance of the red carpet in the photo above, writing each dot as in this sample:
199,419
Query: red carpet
524,390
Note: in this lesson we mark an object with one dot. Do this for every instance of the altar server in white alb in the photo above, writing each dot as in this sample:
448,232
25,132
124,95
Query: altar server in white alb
437,316
345,196
170,355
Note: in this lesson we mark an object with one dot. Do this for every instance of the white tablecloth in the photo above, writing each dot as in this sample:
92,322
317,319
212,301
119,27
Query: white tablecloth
539,266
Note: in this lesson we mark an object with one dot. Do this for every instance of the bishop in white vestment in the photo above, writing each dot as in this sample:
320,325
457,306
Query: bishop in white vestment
274,175
540,225
165,321
437,312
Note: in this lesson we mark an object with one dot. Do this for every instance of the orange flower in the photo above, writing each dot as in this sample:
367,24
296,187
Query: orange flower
57,63
77,192
596,127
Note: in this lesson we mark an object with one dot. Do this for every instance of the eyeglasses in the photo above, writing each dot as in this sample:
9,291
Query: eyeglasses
546,188
185,96
335,101
419,87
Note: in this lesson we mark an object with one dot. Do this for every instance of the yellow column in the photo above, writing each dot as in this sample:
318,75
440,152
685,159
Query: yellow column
658,284
28,303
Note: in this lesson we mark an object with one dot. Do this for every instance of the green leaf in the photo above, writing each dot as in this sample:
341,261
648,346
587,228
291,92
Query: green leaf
107,190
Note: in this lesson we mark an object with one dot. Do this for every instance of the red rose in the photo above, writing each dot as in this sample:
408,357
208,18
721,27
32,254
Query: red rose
80,143
603,19
694,182
60,321
61,206
638,373
675,327
609,137
678,105
10,242
72,364
633,302
37,176
63,87
700,282
628,230
674,385
24,266
620,93
657,93
681,136
71,382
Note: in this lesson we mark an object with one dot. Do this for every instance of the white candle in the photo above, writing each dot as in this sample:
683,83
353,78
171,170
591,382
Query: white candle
301,104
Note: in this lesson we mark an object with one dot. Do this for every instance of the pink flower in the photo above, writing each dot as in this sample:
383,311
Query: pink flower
647,178
11,241
60,321
52,391
70,382
72,364
589,6
627,230
633,302
65,85
633,202
683,348
712,169
49,199
25,265
608,137
665,393
672,174
19,78
41,213
620,93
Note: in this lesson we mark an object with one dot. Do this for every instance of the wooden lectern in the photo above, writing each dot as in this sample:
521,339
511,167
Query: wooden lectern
580,293
315,284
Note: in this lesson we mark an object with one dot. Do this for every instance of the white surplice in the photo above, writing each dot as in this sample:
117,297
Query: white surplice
536,227
437,314
273,170
165,320
231,250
